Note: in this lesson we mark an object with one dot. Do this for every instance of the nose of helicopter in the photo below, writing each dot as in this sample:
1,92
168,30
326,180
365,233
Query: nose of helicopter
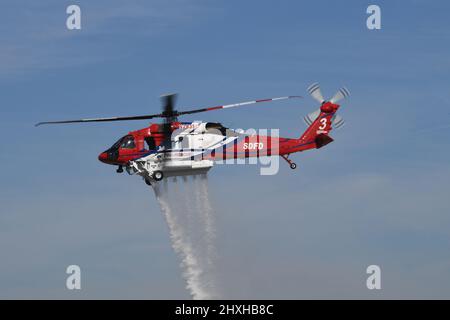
103,157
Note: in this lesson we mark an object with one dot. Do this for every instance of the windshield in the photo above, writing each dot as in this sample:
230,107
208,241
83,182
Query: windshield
116,144
126,142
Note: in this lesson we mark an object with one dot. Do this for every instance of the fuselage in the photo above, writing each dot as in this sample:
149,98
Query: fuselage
213,141
224,144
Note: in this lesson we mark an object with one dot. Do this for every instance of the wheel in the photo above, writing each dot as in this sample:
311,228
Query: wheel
293,165
147,182
158,175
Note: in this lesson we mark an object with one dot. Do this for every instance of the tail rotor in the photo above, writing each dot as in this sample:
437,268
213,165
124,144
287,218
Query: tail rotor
315,92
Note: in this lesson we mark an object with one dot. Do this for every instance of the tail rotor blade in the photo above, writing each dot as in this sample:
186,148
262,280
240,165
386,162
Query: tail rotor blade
309,118
341,94
314,91
338,121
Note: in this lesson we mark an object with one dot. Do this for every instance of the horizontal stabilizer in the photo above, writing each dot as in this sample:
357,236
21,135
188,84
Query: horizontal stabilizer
322,140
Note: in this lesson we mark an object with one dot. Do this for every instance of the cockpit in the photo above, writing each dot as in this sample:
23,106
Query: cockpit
126,142
126,147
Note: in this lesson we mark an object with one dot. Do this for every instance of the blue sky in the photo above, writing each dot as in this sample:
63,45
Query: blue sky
377,195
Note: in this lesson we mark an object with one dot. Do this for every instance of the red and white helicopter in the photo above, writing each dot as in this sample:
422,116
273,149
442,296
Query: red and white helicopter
175,148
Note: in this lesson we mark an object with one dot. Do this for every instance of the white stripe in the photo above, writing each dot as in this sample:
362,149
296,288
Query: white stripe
252,102
238,104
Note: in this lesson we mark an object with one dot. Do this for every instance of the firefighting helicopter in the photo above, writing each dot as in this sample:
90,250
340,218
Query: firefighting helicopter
174,148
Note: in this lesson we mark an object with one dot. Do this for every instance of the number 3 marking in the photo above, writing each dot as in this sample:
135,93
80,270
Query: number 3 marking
323,122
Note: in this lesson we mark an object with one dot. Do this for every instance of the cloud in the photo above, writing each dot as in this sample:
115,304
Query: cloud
35,37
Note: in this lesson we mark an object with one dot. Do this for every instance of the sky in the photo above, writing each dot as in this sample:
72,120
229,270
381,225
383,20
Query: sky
377,195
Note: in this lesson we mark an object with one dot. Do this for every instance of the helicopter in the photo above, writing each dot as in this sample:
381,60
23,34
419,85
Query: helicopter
174,148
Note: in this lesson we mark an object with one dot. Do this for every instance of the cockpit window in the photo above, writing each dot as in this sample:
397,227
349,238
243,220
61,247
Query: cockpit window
116,144
128,143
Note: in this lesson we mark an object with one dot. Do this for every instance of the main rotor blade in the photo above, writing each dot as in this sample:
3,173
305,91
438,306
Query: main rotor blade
314,91
166,113
168,101
240,104
144,117
341,94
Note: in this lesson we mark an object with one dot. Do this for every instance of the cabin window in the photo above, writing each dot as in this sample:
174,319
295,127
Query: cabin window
128,143
150,142
215,128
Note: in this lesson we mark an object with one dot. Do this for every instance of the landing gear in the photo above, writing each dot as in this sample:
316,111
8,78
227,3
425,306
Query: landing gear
158,175
119,169
291,164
